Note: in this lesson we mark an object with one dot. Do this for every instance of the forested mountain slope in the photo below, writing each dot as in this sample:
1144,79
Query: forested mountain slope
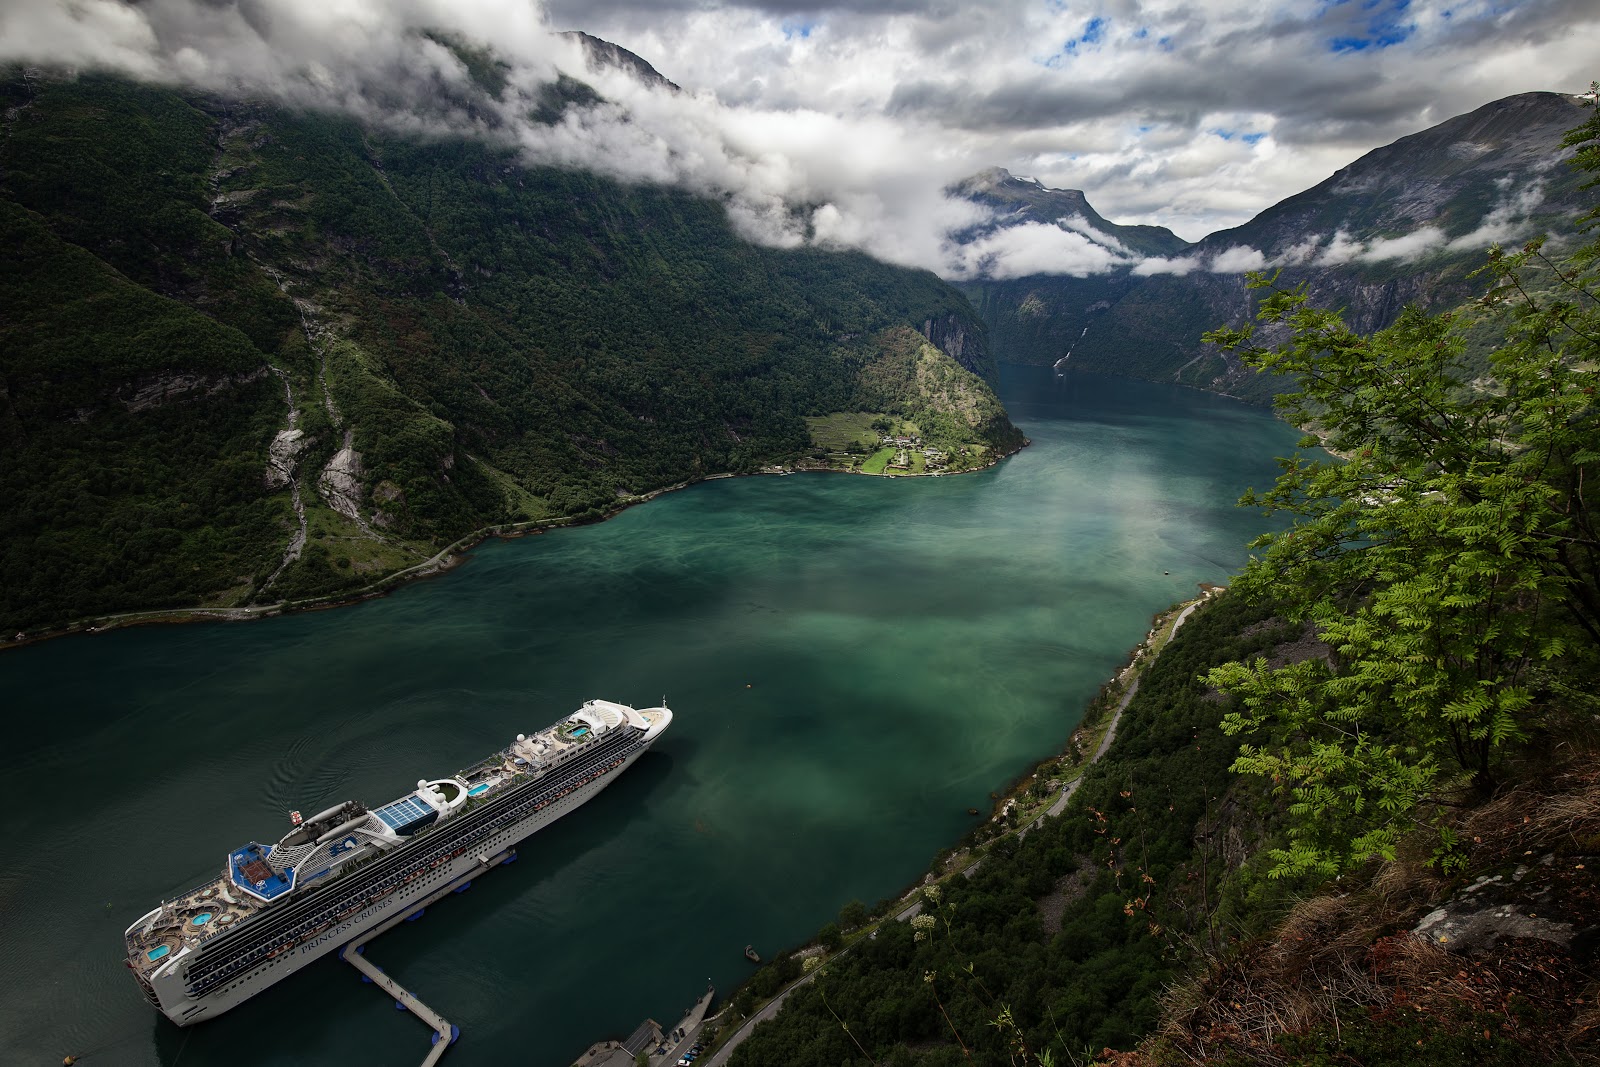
229,328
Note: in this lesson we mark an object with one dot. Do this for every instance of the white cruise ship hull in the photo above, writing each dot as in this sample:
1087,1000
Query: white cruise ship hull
170,989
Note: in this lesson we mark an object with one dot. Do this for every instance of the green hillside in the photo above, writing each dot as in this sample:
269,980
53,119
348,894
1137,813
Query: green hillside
437,337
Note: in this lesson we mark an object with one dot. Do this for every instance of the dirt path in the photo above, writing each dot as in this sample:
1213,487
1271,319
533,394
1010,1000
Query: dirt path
1111,731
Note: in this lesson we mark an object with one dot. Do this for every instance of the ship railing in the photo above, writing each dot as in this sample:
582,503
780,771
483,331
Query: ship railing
146,922
492,763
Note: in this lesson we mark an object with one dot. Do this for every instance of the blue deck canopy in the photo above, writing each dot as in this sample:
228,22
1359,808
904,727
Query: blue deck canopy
406,815
249,870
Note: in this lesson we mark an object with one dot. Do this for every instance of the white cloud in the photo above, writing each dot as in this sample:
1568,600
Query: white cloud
1237,260
1408,247
1032,248
1507,221
1079,224
1297,254
847,122
1178,265
98,33
1341,250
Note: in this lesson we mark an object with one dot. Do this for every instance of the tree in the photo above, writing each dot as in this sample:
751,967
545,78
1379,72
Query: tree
852,915
1446,559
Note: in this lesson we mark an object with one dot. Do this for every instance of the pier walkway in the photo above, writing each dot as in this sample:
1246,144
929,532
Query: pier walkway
353,954
689,1026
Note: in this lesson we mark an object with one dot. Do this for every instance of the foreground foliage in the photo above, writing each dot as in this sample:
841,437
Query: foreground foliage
1451,557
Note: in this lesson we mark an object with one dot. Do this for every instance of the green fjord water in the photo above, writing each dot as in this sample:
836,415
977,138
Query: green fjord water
853,662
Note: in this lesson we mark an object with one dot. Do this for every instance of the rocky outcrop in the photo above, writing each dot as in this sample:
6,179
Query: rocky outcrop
387,500
165,388
602,53
1451,176
1014,201
283,455
956,337
1528,902
340,481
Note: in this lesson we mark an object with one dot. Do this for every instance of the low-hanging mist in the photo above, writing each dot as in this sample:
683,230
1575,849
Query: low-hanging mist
845,162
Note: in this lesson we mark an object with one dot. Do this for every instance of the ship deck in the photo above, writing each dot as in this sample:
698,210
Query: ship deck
248,869
248,883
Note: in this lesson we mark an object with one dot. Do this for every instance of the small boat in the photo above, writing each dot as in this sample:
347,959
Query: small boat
750,954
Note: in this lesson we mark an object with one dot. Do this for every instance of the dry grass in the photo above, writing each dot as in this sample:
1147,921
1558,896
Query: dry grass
1339,957
1310,972
1552,812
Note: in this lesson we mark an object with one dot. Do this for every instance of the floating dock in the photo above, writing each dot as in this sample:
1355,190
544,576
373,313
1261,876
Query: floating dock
444,1034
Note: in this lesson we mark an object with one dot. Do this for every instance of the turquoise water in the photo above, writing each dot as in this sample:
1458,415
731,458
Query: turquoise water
853,663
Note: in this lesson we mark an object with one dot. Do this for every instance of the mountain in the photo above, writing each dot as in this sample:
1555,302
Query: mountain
249,354
1404,224
603,53
1016,201
1495,167
1025,316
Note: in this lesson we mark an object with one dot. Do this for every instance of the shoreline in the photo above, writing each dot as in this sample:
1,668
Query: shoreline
446,559
1085,746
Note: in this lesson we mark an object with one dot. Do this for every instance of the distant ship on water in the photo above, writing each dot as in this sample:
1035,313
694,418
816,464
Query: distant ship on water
274,909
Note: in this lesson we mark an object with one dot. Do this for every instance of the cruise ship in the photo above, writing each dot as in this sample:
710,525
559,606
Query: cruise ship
275,908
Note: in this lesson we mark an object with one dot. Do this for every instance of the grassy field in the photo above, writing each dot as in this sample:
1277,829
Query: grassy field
878,461
838,432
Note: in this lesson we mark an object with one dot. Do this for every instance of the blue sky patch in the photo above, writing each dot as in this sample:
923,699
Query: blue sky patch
1384,25
1228,135
1094,32
802,30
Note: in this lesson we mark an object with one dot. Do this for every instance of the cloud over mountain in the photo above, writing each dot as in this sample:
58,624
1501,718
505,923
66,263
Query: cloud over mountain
845,124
